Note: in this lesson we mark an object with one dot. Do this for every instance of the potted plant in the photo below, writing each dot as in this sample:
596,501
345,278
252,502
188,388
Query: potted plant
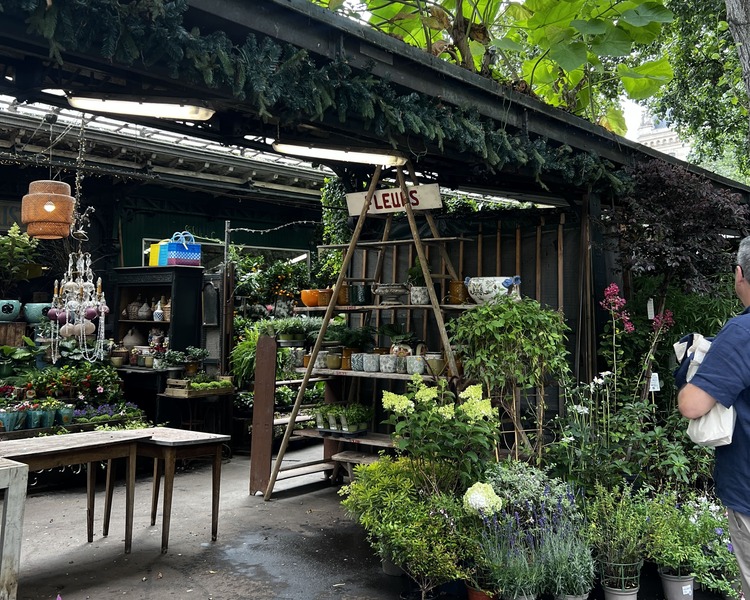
511,345
415,279
417,532
193,358
616,530
290,328
355,417
674,541
359,339
175,358
401,340
17,252
569,571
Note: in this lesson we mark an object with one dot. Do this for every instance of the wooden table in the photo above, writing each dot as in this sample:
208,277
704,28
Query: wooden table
83,447
165,445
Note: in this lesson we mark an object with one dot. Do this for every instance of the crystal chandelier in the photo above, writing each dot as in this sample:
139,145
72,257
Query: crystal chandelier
79,308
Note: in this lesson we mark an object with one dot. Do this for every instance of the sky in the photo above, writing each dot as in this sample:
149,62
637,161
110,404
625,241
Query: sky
632,118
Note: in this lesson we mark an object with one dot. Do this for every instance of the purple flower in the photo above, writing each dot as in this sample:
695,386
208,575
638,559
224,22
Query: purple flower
719,531
730,547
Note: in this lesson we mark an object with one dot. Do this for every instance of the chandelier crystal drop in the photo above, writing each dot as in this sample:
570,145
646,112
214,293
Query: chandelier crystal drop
79,309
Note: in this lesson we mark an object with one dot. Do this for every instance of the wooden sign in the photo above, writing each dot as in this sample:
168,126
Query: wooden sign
421,197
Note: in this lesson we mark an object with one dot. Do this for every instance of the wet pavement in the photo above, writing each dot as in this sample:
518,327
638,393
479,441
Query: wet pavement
300,544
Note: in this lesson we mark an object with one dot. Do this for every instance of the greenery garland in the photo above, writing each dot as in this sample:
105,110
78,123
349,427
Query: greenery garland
283,82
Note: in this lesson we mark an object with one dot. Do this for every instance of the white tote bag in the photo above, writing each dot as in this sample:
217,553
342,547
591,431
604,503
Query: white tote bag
715,428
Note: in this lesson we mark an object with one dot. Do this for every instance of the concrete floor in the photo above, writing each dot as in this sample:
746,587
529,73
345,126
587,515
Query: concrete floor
300,544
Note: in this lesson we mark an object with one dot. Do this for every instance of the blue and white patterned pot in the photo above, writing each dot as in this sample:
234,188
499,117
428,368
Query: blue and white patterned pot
487,289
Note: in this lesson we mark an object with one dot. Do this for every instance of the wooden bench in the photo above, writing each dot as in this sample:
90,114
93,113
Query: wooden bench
348,458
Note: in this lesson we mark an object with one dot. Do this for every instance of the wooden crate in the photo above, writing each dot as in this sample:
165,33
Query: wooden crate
179,388
11,334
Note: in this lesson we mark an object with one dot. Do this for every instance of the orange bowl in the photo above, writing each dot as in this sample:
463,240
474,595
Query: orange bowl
309,297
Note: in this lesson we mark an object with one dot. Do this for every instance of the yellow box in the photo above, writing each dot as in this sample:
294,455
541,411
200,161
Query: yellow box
157,254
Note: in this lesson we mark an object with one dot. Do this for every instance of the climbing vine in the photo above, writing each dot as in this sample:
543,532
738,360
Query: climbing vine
283,82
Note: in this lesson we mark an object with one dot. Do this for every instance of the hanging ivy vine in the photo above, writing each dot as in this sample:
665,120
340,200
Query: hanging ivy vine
280,81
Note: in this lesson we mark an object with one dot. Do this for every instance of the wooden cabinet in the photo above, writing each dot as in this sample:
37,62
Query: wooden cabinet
181,286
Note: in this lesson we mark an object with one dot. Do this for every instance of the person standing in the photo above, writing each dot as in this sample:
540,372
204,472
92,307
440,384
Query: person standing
724,376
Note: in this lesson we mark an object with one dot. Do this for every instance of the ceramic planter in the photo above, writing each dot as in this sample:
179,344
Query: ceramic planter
419,295
484,290
33,312
9,310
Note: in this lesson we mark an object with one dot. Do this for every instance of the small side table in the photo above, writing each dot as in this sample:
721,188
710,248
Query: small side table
165,446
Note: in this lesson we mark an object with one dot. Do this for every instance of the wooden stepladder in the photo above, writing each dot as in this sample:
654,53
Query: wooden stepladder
434,301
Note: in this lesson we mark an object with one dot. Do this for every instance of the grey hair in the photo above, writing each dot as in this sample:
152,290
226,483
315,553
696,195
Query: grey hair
743,257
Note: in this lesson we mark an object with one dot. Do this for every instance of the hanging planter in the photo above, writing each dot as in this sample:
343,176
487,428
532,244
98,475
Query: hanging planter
47,210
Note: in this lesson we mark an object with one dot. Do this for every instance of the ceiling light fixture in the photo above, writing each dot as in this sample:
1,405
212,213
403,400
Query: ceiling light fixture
160,108
368,156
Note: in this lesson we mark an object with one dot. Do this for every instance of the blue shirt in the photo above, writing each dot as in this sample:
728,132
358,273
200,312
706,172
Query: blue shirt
725,375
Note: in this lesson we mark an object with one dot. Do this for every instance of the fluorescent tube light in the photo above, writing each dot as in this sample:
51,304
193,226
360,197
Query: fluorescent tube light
366,156
156,107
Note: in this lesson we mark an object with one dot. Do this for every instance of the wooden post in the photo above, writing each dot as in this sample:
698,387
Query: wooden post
265,390
13,479
560,263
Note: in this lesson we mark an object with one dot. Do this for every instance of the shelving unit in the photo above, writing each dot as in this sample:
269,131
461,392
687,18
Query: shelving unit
181,285
332,447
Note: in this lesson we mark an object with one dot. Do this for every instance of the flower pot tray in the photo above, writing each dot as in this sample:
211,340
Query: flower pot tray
340,432
180,388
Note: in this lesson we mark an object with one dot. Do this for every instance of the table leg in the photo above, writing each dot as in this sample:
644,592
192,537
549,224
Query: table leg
170,458
129,497
155,489
108,492
90,489
215,489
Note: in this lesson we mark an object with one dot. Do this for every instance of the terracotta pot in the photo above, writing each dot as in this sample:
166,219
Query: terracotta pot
475,594
309,297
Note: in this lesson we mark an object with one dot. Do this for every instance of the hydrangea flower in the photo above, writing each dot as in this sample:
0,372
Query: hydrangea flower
475,410
397,403
480,498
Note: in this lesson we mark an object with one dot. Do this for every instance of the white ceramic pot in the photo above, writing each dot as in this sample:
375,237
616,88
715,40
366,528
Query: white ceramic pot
419,295
415,365
487,289
388,363
371,363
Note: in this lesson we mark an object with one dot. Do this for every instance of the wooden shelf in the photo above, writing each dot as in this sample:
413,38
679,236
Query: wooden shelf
141,321
365,374
380,243
299,419
280,382
365,308
380,440
305,469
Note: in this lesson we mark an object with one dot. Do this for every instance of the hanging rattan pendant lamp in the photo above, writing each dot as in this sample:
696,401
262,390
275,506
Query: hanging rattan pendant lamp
47,210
